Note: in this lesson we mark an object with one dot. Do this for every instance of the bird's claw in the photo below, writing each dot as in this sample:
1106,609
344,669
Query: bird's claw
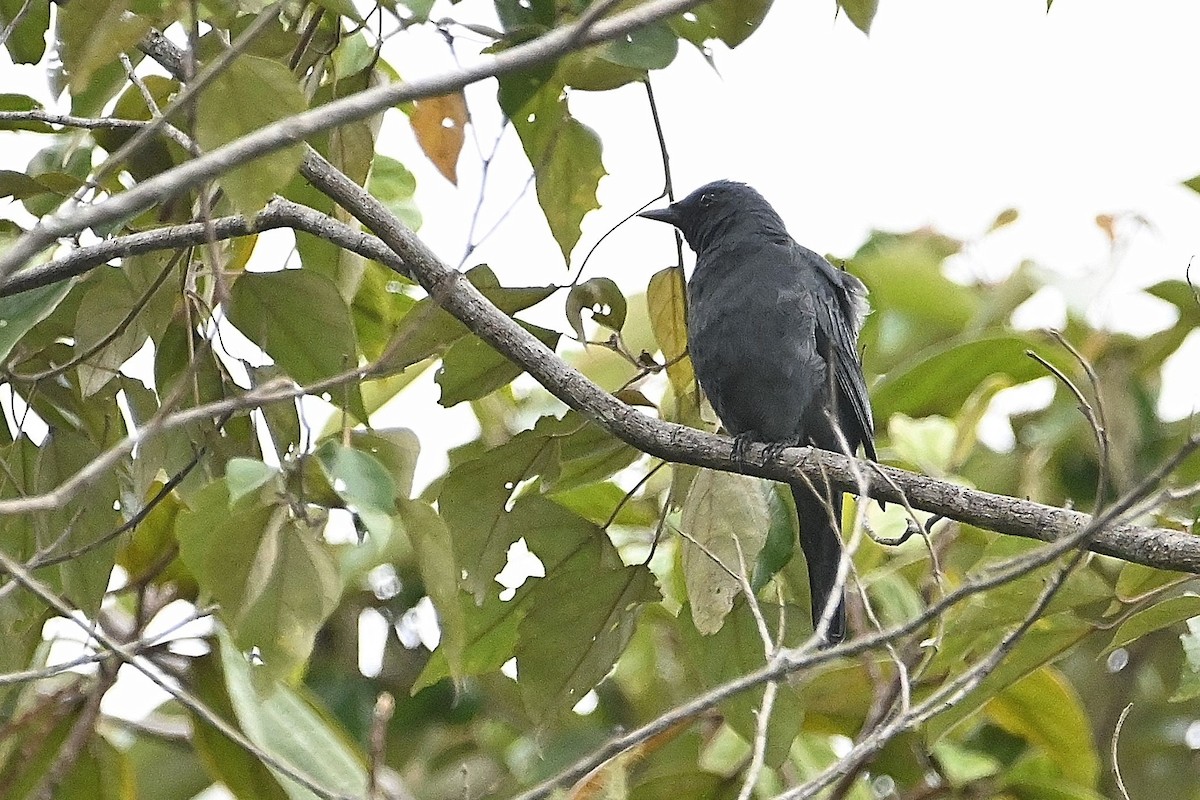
741,448
774,450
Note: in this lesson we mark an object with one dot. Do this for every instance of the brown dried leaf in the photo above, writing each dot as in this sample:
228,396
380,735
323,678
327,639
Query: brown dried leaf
440,125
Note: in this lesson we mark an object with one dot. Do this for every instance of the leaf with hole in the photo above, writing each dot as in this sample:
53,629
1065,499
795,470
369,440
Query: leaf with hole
603,298
440,123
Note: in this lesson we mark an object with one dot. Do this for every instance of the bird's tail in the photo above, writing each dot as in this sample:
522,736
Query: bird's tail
822,544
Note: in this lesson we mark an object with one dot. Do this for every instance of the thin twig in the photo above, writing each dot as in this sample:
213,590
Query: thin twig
385,704
279,213
1116,766
128,525
16,20
759,747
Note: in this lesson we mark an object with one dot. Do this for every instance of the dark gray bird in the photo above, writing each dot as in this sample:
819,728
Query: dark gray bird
772,332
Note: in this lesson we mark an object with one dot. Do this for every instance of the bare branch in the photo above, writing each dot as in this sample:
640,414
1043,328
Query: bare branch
279,213
1116,766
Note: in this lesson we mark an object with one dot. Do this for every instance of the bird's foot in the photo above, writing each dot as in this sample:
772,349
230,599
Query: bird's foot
741,448
774,450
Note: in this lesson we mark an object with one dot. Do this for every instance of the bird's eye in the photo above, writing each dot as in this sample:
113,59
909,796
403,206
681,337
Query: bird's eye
707,199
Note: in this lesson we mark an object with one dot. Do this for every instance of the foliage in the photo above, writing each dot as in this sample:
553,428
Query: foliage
623,619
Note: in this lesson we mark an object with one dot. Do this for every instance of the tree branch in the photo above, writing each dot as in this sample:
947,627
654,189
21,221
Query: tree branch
279,213
1155,547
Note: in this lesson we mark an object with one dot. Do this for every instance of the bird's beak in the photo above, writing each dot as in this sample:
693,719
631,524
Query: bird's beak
669,215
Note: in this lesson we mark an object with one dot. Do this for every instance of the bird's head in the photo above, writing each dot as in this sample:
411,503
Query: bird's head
716,207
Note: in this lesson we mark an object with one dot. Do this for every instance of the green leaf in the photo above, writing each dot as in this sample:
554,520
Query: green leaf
1158,616
603,298
586,454
301,321
284,722
435,557
419,8
156,155
344,8
1189,677
154,540
168,769
271,573
393,185
27,42
19,186
781,538
649,47
249,94
246,475
725,514
938,380
477,502
21,102
564,154
377,307
86,520
927,443
396,449
596,501
472,368
556,537
20,312
733,652
731,21
860,12
362,482
571,639
1193,183
83,51
351,146
1049,638
428,330
242,774
903,271
102,321
963,766
1137,581
1065,735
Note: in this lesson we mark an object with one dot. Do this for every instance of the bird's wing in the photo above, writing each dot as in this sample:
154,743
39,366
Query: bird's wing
840,312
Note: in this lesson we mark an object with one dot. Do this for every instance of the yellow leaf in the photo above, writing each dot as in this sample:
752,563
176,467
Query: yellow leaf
440,125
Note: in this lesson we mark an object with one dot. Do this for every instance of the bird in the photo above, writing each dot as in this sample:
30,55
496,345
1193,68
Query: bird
773,336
